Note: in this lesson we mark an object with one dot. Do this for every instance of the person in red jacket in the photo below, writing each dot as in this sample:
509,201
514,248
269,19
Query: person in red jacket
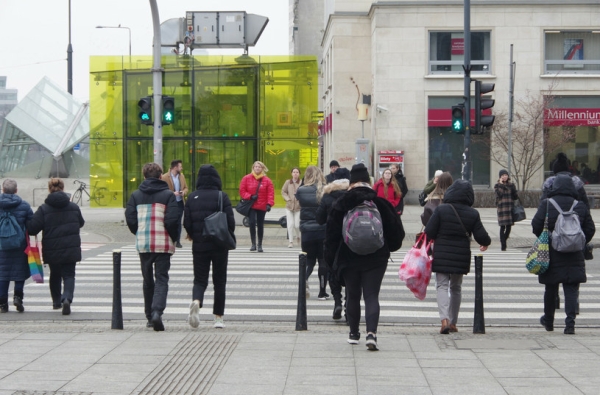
258,187
387,187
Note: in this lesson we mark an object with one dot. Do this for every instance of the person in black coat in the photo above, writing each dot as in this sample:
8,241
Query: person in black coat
401,180
567,268
13,262
330,193
452,247
201,203
362,274
59,220
312,233
560,165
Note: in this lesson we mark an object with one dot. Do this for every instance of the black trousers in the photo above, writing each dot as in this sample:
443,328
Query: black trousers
314,254
62,275
202,263
257,220
366,281
155,271
571,295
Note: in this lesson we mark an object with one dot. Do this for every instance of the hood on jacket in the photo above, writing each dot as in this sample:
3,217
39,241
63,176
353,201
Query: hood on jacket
563,185
58,199
9,201
153,185
577,182
208,178
354,197
337,185
461,192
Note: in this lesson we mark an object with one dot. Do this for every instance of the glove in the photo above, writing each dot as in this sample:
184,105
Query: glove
268,208
254,197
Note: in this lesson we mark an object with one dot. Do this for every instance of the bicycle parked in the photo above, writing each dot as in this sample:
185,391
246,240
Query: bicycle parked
99,194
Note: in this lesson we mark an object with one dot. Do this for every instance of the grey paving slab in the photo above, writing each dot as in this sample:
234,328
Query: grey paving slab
440,376
272,376
22,379
322,362
332,389
545,391
91,383
451,388
17,346
497,344
386,360
548,382
446,362
447,354
412,377
246,389
392,390
524,372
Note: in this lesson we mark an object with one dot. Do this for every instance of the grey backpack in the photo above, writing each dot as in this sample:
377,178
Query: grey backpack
567,235
363,229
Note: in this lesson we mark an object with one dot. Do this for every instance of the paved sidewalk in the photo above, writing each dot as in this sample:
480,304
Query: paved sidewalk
89,358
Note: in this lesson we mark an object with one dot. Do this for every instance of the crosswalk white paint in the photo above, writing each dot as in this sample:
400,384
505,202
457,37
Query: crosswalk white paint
264,287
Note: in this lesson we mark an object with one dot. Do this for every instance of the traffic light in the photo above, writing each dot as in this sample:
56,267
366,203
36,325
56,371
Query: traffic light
458,118
168,110
483,121
145,105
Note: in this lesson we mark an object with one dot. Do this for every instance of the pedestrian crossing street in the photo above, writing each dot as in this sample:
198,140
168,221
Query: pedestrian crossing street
264,287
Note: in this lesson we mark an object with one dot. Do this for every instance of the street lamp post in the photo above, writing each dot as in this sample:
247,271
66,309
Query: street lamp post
119,27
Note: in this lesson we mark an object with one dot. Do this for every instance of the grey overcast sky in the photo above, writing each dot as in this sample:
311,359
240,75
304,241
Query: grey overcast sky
34,34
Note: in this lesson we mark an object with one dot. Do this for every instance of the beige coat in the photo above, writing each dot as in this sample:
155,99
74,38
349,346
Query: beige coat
289,195
167,178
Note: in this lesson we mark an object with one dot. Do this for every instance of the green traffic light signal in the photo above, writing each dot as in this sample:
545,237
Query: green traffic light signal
145,105
458,118
168,110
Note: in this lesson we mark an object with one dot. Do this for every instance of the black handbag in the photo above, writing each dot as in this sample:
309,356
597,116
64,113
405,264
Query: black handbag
215,227
518,212
244,206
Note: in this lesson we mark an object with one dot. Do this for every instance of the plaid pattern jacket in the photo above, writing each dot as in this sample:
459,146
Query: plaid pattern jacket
506,194
151,235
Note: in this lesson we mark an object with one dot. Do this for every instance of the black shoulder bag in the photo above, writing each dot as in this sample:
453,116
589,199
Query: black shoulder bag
215,227
244,206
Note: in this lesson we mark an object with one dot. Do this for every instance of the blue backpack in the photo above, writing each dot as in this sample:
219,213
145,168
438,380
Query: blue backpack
362,229
11,233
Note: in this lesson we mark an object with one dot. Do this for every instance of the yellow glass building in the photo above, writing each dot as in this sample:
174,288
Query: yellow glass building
229,112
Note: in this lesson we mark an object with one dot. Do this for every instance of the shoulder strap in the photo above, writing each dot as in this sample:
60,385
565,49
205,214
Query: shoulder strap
220,201
460,220
258,187
557,207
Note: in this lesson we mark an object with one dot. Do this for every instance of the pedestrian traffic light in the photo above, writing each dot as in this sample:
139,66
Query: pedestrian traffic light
458,118
481,104
168,110
145,105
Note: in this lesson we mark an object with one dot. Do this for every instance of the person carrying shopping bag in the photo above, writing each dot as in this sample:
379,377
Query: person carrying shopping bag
451,227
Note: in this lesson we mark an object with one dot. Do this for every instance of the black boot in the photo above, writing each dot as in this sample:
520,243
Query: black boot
18,302
253,240
260,245
4,305
502,239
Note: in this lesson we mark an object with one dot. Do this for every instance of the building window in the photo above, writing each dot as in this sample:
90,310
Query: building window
572,52
447,50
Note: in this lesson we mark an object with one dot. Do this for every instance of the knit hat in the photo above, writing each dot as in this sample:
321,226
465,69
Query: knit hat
561,163
340,173
502,172
359,173
438,173
334,163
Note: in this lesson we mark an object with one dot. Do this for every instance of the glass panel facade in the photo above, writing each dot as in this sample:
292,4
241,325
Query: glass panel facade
446,52
228,112
583,150
574,52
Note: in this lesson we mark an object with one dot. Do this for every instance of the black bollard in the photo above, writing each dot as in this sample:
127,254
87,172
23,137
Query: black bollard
117,307
301,324
478,320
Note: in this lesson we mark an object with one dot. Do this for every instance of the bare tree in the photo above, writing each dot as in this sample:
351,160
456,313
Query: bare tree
531,140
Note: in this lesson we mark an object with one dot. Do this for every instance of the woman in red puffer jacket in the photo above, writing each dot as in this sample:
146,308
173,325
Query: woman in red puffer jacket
387,188
258,186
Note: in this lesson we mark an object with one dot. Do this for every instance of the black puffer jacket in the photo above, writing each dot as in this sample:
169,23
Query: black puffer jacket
565,267
203,202
331,193
452,247
577,183
310,229
59,220
393,231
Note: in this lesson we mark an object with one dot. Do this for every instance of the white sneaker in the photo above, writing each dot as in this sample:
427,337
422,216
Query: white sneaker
291,245
218,322
307,291
194,317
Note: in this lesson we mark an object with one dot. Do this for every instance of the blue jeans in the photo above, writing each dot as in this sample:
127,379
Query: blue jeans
155,271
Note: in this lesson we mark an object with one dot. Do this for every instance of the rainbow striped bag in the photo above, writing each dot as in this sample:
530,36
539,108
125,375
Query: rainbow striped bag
538,258
35,261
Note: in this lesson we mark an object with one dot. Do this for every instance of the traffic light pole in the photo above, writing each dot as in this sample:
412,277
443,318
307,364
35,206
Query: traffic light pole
157,85
466,159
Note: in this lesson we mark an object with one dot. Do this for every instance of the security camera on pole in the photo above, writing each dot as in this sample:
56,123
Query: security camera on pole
363,154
